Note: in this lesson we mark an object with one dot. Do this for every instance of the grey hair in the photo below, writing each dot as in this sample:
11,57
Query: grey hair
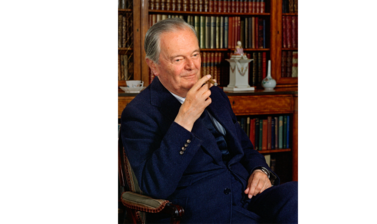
152,37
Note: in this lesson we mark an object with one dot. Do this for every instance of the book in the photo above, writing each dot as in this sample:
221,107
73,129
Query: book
120,20
294,63
276,132
256,145
261,134
293,31
269,120
255,68
238,29
243,123
259,69
265,134
221,34
256,26
242,31
260,33
283,63
225,6
288,128
230,31
208,32
284,132
273,164
162,4
204,64
252,32
200,6
226,27
267,157
217,32
289,64
246,33
284,34
280,132
262,6
252,131
197,27
298,31
291,6
168,5
264,65
264,34
272,131
202,32
288,32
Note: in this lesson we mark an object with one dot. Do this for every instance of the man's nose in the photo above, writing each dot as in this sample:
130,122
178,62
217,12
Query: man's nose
189,64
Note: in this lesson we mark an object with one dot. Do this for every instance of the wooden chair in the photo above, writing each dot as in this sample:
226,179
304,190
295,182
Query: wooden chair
133,204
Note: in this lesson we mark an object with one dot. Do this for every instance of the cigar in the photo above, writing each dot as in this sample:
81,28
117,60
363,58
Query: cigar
211,81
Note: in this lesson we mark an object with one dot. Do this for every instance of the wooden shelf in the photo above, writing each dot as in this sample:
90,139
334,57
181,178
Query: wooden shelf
274,151
122,11
126,50
290,14
207,13
290,49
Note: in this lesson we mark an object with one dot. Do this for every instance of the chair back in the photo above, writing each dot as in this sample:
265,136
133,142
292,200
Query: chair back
127,180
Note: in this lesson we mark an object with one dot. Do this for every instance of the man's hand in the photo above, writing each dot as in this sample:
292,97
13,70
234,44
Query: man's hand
197,99
258,182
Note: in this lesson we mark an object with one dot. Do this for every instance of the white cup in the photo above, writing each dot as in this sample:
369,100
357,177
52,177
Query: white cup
134,83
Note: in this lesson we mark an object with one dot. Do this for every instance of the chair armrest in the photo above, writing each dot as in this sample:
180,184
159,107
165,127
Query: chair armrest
142,202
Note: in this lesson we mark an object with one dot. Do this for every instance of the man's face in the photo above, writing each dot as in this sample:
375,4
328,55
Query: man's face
179,61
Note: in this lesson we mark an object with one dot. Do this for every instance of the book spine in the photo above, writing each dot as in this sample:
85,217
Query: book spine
256,145
168,5
242,31
212,63
284,32
284,132
124,31
253,32
173,5
221,29
260,33
255,67
276,132
208,32
283,63
298,31
272,133
252,131
261,123
246,33
217,32
230,31
257,6
120,20
200,6
295,64
225,5
240,6
220,6
291,6
238,29
162,4
262,6
256,26
260,71
253,6
248,126
294,34
264,34
157,4
226,27
268,132
288,30
289,64
213,30
205,5
204,64
249,32
264,65
202,33
151,5
233,6
288,146
280,132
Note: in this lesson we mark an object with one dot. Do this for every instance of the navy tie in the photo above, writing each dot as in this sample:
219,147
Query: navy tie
221,143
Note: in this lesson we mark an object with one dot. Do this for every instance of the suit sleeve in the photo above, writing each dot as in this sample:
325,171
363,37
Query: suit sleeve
156,155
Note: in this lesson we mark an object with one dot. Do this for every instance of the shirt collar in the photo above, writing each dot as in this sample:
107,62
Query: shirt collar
179,98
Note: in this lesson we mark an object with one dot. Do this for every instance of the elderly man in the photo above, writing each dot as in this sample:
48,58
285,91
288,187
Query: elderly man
185,145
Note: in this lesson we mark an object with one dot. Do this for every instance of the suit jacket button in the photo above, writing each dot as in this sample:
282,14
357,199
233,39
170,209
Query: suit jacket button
227,191
181,152
188,140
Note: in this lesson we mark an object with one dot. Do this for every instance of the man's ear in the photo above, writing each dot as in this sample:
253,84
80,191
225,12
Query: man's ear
153,66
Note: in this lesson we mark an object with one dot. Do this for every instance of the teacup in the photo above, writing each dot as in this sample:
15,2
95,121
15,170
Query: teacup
134,83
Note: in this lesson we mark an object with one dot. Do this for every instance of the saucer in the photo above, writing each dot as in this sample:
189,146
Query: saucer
131,90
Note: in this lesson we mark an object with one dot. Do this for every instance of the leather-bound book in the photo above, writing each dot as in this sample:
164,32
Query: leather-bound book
124,31
291,6
120,20
298,31
283,64
178,5
151,5
288,31
294,64
284,35
162,4
289,64
269,118
217,45
184,5
293,31
201,6
204,64
262,6
173,5
206,5
221,36
260,69
226,29
196,5
202,32
157,4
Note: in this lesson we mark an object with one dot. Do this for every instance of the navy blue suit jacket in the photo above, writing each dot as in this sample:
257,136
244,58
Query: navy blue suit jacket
198,179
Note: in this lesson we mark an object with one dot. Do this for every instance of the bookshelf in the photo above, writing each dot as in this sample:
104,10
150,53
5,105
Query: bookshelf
282,101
